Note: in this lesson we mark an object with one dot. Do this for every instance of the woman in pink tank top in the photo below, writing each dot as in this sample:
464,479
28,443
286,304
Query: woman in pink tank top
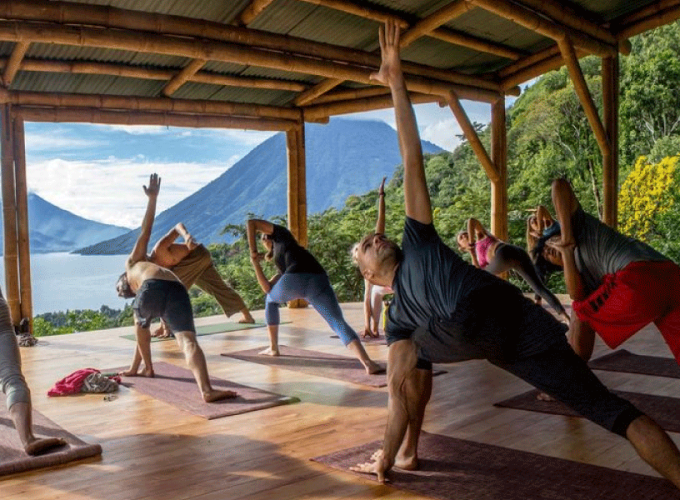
496,256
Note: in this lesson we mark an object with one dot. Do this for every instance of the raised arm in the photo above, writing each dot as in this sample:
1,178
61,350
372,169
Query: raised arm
254,226
380,223
416,196
139,250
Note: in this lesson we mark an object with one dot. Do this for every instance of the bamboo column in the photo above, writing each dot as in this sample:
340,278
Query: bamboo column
297,190
472,137
9,217
25,291
610,162
499,156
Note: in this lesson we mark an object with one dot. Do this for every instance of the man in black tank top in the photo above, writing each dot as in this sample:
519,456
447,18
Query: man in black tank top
441,313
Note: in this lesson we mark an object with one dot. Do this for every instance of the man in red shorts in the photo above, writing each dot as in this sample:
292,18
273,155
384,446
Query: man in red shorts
618,284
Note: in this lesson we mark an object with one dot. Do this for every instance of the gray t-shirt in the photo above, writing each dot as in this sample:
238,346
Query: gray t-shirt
600,250
453,311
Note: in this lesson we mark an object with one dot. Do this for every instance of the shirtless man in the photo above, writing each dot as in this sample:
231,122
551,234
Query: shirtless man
440,313
159,293
192,264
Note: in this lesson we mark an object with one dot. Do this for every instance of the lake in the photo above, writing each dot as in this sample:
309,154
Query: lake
62,281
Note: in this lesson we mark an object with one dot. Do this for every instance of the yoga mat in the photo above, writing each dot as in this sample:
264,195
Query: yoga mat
316,363
464,470
177,387
369,340
206,330
663,409
627,362
13,459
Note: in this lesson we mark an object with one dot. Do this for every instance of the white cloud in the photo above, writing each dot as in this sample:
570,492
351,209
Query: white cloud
57,141
137,129
442,133
247,137
110,191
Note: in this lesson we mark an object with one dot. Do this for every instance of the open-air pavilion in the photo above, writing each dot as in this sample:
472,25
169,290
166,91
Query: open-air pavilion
274,65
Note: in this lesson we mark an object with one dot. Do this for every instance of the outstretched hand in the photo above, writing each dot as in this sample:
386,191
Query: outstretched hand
390,68
377,466
154,185
381,190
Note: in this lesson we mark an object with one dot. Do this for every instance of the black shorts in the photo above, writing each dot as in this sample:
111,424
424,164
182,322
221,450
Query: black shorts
560,372
167,300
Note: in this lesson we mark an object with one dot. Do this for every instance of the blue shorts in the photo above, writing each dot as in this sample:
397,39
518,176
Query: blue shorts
167,300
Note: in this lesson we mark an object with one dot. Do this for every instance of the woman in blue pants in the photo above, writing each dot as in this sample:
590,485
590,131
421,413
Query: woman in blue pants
300,276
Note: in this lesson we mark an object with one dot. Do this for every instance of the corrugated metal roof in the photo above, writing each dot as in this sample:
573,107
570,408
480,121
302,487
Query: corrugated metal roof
303,21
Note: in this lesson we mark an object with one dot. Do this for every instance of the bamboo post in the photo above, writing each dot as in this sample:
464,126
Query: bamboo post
472,137
657,14
499,187
25,290
323,111
297,191
9,213
584,96
610,162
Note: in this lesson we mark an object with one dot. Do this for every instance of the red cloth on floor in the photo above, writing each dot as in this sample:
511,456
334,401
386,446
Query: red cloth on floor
71,384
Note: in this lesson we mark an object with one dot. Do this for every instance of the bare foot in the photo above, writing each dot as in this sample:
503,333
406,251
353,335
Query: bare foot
373,368
247,319
368,333
146,372
215,395
406,463
544,397
270,352
36,446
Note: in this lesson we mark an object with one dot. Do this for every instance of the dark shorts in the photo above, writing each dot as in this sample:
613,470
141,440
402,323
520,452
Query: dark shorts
560,372
167,300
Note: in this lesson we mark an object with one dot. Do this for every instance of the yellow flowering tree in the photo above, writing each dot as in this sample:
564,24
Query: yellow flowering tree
646,195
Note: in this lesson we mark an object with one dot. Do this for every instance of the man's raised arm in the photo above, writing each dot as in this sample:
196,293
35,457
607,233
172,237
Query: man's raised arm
139,251
416,196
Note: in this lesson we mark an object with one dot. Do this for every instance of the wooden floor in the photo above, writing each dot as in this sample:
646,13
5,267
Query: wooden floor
152,450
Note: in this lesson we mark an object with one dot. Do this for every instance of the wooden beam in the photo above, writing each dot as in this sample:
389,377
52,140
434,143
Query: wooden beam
499,157
584,96
476,43
352,94
183,76
316,91
544,26
360,10
14,62
320,112
653,16
252,10
148,118
610,162
9,216
217,51
121,70
24,250
472,137
156,104
430,23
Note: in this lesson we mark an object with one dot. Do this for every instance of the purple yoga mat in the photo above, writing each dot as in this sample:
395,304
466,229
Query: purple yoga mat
663,409
13,459
177,387
627,362
464,470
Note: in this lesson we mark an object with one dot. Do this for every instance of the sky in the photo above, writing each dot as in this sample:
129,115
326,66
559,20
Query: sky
97,171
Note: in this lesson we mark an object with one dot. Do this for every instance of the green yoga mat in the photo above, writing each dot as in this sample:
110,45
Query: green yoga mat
208,330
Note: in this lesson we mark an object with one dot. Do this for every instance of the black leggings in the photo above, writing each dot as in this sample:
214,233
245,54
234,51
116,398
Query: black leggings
510,257
560,372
